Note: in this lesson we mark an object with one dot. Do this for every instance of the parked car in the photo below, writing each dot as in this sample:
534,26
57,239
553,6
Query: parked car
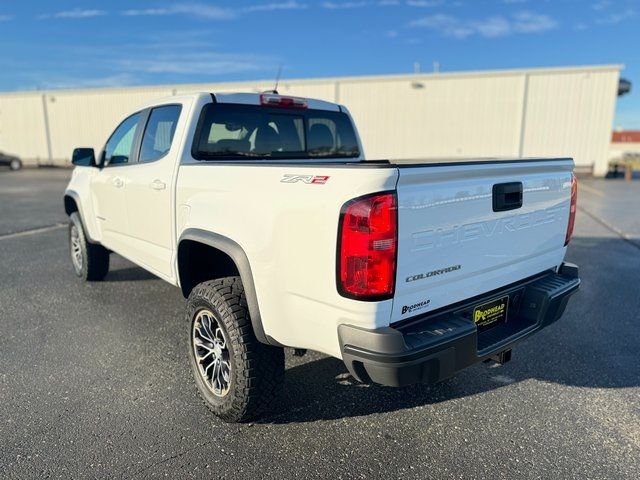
265,212
14,163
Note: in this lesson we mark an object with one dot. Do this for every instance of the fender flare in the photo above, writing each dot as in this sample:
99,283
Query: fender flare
76,198
239,257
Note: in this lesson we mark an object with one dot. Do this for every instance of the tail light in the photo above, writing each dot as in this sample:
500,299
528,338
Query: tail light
367,246
269,100
572,209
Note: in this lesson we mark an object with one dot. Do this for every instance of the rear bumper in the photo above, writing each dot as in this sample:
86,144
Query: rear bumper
427,349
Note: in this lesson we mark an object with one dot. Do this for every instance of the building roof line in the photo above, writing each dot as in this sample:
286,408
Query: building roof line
207,86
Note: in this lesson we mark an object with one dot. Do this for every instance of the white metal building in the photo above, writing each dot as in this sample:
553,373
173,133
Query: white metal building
509,113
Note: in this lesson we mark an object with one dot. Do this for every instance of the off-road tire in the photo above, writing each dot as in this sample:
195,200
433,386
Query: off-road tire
94,264
257,370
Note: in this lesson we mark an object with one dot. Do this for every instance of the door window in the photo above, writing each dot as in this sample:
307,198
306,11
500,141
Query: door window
158,135
119,148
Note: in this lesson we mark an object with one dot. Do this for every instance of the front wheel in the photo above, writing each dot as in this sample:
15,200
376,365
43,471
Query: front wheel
15,164
90,261
236,375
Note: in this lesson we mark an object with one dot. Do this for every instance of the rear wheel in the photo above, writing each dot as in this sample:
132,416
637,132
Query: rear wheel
236,375
90,261
15,164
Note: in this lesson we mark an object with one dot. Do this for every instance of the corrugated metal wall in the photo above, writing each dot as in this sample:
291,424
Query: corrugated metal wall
539,112
22,129
571,114
436,117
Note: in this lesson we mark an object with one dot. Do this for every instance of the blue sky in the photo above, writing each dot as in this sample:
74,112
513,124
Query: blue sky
63,44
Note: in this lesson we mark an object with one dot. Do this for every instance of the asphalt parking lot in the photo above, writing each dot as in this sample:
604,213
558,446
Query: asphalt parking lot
94,380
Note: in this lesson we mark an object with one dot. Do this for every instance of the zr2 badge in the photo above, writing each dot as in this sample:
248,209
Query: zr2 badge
310,179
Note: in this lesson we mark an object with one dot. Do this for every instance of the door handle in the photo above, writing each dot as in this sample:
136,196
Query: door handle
158,185
117,182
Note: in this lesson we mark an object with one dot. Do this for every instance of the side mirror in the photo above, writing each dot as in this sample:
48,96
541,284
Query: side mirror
84,157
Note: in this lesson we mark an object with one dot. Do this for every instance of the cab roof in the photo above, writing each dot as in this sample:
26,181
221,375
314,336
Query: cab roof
254,99
242,98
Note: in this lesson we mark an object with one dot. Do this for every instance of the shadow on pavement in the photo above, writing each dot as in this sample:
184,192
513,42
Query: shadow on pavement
588,348
323,390
130,274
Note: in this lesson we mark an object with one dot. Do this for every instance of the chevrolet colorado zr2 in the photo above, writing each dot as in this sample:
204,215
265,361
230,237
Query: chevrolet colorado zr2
262,209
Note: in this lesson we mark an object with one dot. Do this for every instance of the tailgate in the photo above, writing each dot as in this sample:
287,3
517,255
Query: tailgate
452,245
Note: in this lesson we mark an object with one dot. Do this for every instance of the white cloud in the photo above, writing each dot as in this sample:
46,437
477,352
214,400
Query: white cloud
213,12
388,3
160,56
200,10
424,3
343,5
118,80
601,5
75,13
391,33
212,64
529,22
146,12
615,18
203,11
268,7
490,27
446,24
5,18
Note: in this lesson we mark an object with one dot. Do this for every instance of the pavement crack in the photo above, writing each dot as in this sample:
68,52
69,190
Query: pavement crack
164,460
32,231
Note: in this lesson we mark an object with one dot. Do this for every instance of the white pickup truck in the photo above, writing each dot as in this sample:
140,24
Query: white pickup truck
264,211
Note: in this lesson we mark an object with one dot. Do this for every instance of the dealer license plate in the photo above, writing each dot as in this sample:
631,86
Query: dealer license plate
491,314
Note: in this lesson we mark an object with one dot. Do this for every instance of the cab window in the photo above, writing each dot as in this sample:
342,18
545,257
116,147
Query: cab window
159,133
234,131
119,148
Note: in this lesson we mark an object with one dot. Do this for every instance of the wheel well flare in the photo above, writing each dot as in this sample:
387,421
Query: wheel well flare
198,262
70,205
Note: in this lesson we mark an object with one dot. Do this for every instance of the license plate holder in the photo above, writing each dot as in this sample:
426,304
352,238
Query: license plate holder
491,314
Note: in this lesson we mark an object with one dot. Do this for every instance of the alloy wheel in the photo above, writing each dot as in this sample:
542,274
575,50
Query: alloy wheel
76,249
210,348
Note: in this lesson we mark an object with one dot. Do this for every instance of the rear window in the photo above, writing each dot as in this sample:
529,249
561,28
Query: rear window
232,131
